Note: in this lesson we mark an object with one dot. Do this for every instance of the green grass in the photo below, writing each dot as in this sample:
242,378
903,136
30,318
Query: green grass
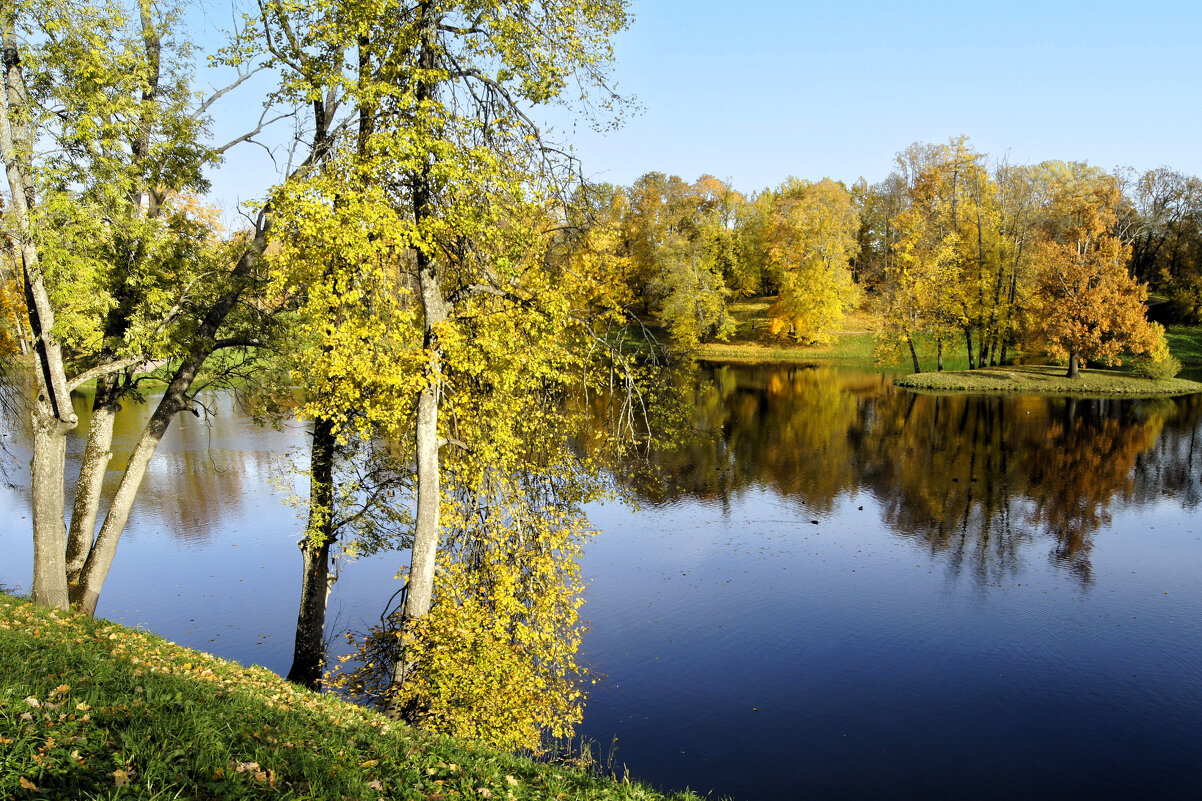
1047,379
753,343
91,709
1185,342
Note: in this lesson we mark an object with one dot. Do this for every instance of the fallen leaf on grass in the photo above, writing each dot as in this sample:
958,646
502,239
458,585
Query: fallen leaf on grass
26,784
121,778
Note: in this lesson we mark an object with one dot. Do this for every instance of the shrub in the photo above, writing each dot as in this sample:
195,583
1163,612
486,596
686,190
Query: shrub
1157,370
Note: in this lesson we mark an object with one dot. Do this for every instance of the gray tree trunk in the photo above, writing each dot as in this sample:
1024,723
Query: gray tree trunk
436,310
53,416
88,487
49,531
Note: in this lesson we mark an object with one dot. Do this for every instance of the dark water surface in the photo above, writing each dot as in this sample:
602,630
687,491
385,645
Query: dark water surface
838,590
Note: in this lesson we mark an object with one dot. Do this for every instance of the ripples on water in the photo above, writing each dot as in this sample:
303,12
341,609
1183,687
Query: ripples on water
999,598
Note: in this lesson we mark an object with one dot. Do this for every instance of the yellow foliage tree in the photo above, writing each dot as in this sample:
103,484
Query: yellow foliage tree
813,239
1091,306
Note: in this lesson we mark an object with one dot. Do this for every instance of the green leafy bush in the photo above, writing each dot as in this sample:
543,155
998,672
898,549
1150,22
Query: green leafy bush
1157,370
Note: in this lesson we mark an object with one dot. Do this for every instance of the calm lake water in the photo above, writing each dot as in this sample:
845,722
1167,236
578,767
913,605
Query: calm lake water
838,590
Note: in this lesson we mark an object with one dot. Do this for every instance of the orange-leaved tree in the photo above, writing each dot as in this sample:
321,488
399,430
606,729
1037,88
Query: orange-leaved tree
1091,306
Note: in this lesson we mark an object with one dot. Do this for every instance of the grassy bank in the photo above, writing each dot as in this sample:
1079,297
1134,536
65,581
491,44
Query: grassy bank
854,346
1047,379
753,343
1185,342
90,709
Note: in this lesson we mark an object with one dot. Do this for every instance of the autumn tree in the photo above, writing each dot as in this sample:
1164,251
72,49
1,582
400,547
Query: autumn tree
878,206
418,252
120,266
752,272
922,277
1160,217
813,239
1091,306
960,257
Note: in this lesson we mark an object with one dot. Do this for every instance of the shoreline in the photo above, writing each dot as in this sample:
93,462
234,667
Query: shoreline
1047,380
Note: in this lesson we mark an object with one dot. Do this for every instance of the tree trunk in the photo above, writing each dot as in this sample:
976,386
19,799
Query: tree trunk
100,558
940,355
435,310
1073,365
308,654
968,343
88,487
913,353
53,417
49,531
425,534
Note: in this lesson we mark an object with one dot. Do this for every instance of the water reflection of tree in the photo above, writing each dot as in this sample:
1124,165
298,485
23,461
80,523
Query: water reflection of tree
765,428
1085,461
945,472
207,464
1172,467
975,479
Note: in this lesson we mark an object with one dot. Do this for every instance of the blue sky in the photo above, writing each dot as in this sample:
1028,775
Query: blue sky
760,90
757,91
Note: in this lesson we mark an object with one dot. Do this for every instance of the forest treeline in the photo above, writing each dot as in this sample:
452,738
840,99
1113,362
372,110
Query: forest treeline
993,257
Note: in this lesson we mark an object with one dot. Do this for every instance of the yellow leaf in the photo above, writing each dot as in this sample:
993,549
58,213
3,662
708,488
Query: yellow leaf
26,784
120,778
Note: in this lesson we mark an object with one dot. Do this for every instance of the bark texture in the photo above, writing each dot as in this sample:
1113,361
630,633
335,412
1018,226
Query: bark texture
96,457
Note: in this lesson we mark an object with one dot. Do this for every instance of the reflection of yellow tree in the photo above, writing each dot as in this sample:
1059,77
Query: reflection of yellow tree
946,471
972,476
786,427
1077,469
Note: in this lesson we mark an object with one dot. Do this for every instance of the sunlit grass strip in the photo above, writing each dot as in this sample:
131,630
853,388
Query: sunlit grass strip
90,709
1185,342
1047,379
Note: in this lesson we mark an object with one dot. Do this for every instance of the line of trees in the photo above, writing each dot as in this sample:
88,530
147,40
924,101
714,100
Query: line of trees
1057,257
